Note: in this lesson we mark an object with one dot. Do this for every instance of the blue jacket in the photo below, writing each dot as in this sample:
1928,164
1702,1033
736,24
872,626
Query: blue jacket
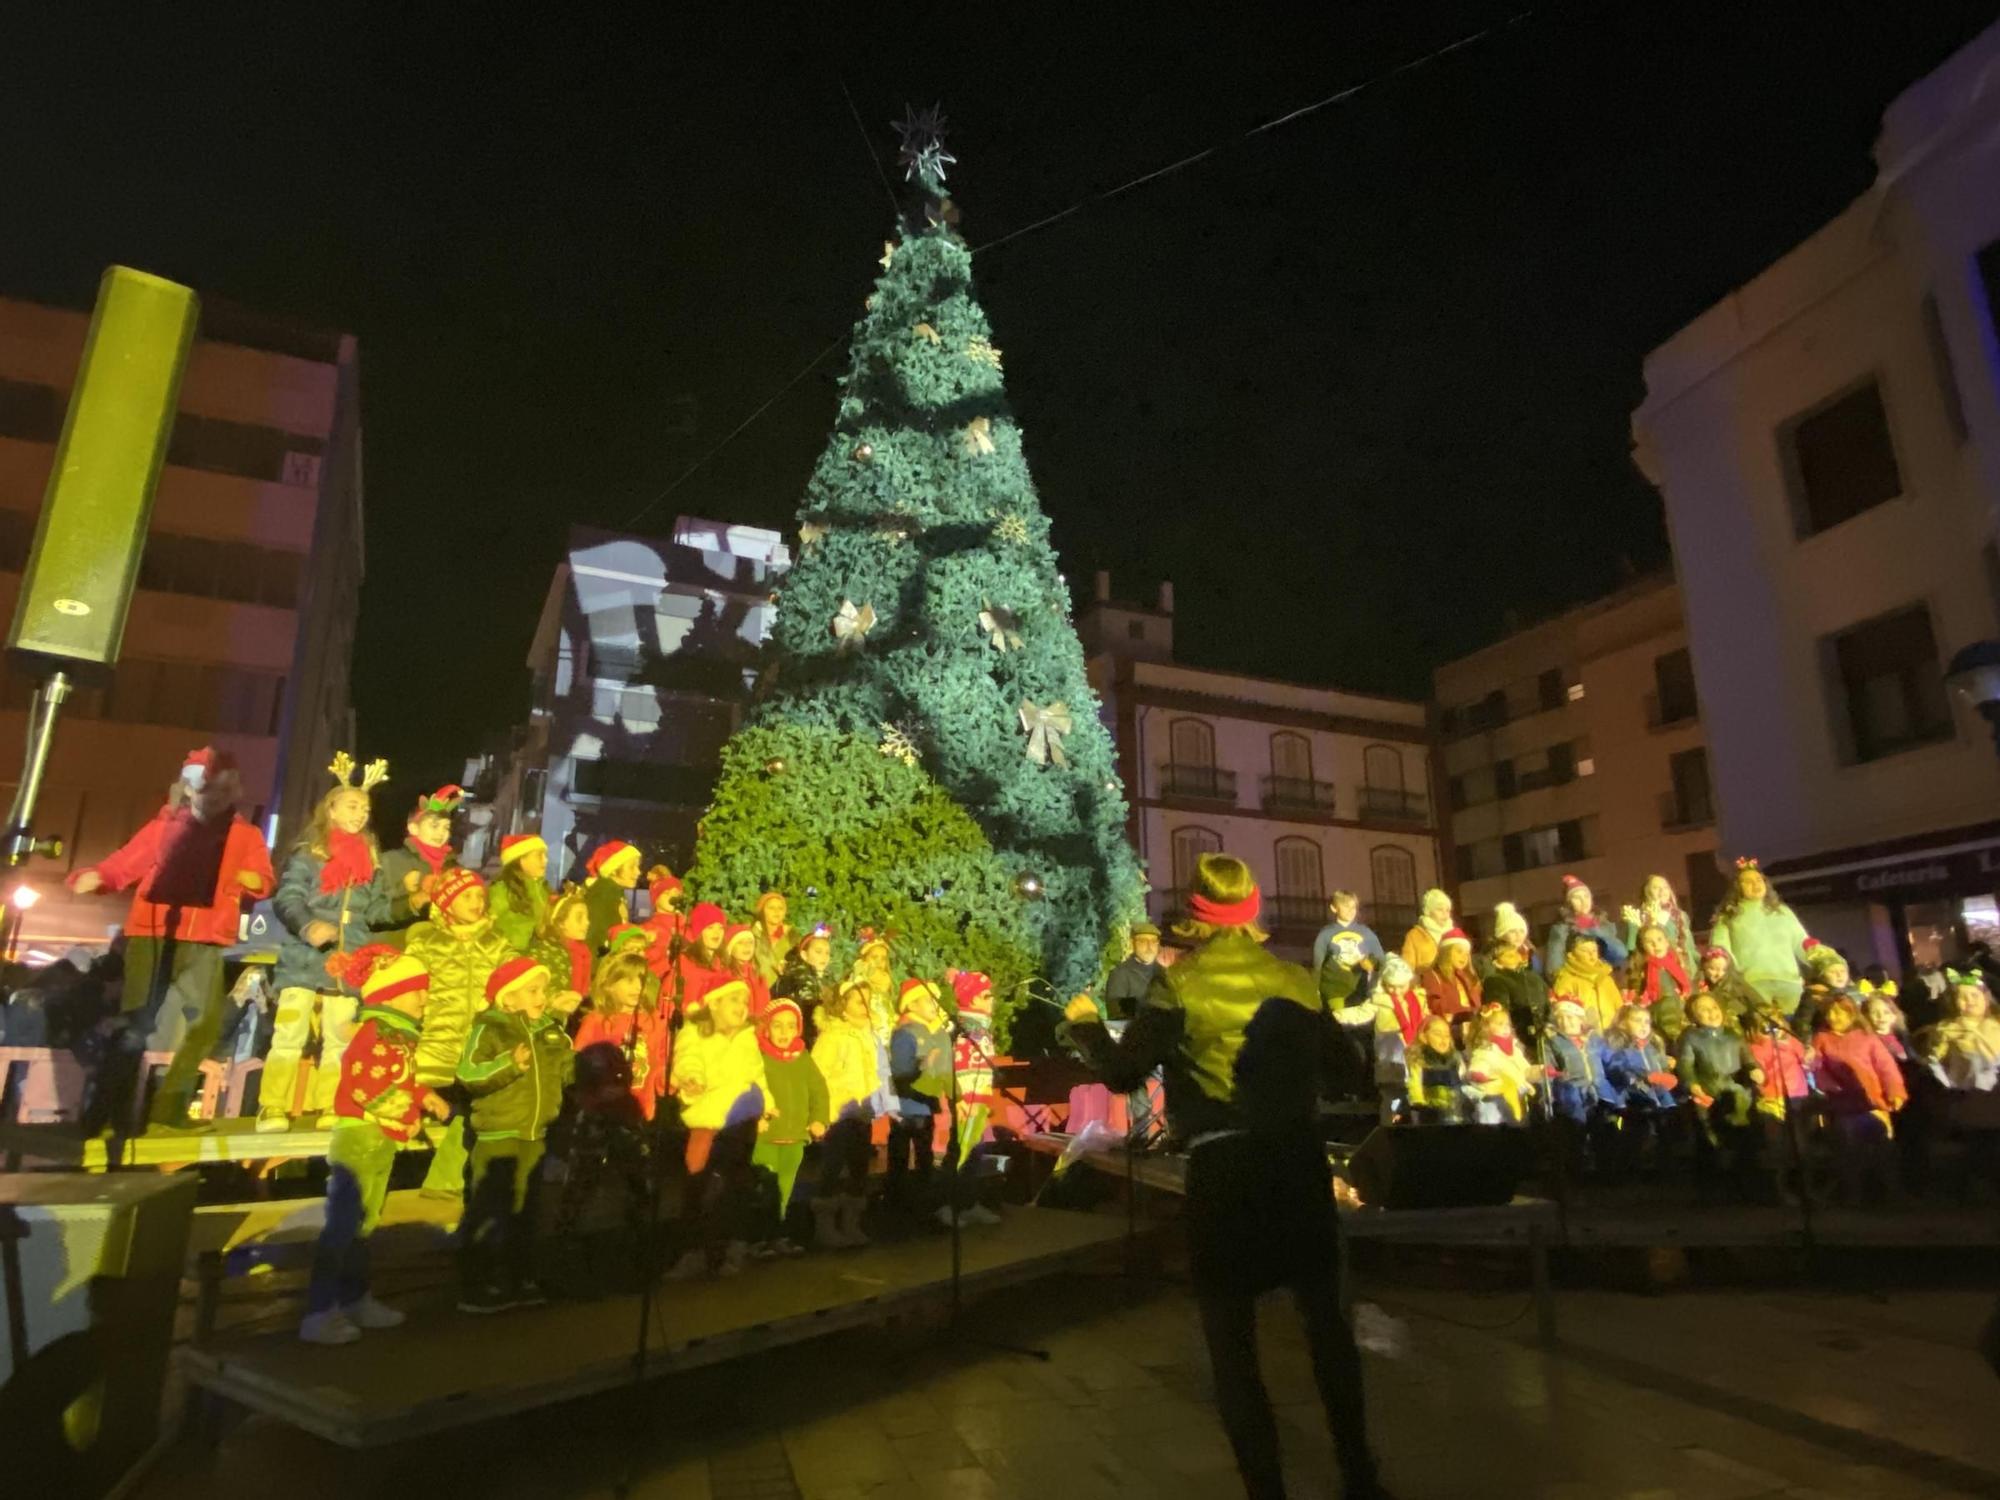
300,902
1627,1066
920,1067
1371,945
1582,1081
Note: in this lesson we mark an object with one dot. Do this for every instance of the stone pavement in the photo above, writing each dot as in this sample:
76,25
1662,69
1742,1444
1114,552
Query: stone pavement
1715,1395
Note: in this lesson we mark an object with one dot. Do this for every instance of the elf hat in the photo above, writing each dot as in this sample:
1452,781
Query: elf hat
1821,956
704,916
382,973
663,887
444,801
628,933
510,976
973,991
204,763
452,884
519,846
604,856
912,991
1570,883
765,900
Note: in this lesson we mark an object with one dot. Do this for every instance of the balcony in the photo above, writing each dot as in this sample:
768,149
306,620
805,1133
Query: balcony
1390,921
1198,783
1387,806
1670,712
1297,794
1678,815
1295,914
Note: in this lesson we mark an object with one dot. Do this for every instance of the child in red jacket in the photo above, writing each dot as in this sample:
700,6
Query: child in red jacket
1863,1089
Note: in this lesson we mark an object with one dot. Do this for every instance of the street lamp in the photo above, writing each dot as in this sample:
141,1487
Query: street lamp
1974,674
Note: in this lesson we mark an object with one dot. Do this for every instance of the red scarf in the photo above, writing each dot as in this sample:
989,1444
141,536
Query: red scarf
770,1049
1650,991
349,861
1504,1043
579,964
1410,1013
433,855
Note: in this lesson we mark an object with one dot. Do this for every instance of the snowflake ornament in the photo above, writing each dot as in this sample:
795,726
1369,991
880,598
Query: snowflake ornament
898,744
1011,528
977,438
851,625
980,352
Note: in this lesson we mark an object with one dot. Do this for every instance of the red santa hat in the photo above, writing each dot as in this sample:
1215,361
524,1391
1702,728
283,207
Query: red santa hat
1456,935
729,989
973,992
734,931
204,763
605,855
519,846
452,884
510,975
913,989
707,914
381,973
663,886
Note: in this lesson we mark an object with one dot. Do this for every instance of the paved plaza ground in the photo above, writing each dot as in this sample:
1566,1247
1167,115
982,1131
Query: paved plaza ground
1713,1395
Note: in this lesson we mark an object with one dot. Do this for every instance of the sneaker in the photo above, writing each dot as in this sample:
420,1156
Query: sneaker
273,1122
943,1216
330,1327
481,1300
763,1250
788,1247
733,1259
693,1263
368,1313
529,1293
979,1213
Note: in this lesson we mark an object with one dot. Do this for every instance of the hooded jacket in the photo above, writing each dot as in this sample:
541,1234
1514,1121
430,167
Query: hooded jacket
510,1102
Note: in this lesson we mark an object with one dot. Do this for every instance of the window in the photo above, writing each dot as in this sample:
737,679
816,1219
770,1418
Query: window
1693,797
32,413
1189,845
1673,688
1840,460
1941,366
1300,870
1382,767
1291,756
1888,686
1467,858
1504,783
1549,688
208,569
1392,876
1456,790
1135,630
1192,743
644,781
1560,843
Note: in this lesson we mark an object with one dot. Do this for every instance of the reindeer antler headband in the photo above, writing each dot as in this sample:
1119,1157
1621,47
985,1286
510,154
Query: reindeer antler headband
372,775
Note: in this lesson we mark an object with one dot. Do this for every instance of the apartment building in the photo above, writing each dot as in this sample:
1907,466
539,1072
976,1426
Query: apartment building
241,631
1827,442
1576,747
1315,789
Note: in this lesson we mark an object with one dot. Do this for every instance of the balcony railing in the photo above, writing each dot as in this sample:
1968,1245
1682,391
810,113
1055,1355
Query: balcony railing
1295,913
1394,806
1390,922
1679,816
1202,783
1297,794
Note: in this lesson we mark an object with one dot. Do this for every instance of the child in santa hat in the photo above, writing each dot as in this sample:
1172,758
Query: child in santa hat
379,1106
1451,989
1499,1067
703,964
920,1072
1580,915
847,1054
720,1078
972,1071
797,1095
457,945
613,871
562,946
519,899
516,1064
663,922
414,867
739,961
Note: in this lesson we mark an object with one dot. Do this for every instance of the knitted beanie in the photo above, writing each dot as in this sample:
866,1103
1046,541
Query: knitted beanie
452,884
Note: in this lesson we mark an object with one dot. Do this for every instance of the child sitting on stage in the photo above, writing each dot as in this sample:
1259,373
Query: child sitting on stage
1437,1085
845,1051
1499,1067
796,1091
379,1105
719,1075
516,1065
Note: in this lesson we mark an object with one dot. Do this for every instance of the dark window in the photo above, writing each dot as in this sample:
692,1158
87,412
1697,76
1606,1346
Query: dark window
1549,692
1989,276
1192,742
644,781
1673,687
1889,685
32,413
17,539
1392,872
1301,871
1694,798
1840,460
1448,722
1467,864
1382,768
1562,764
1135,629
1456,789
239,448
1569,840
1512,853
1503,779
1947,377
1189,845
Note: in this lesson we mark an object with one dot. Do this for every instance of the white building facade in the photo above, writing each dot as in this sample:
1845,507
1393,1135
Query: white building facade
1315,789
1827,441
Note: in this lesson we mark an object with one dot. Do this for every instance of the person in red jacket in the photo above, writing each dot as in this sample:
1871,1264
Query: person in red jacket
189,870
1862,1089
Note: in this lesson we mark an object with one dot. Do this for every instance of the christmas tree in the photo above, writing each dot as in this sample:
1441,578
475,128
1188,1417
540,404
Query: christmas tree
925,755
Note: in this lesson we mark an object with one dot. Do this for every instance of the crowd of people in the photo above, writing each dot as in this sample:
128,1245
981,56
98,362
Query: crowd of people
414,996
1761,1049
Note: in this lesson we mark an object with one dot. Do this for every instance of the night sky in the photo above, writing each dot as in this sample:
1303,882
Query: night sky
1359,386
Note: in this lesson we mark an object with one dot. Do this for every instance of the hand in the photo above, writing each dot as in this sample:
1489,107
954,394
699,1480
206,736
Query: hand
413,884
437,1107
1631,914
1704,1100
523,1055
250,880
86,882
319,934
1081,1008
816,1130
1757,1075
566,1002
764,1126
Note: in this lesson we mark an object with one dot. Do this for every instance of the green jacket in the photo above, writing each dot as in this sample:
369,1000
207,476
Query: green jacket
796,1089
397,865
510,1102
604,899
1197,1022
516,917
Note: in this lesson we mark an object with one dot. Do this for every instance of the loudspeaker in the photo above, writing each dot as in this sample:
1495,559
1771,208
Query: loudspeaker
92,1271
71,612
1440,1166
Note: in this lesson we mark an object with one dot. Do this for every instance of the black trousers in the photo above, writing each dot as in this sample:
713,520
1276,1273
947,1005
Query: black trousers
1260,1216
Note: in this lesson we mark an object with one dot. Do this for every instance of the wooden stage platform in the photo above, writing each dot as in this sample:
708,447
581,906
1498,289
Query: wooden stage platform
444,1369
229,1140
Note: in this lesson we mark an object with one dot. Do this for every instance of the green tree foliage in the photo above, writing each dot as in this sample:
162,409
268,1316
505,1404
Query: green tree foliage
926,692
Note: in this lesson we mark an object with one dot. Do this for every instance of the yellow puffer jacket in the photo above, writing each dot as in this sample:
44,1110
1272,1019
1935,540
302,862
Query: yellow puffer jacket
460,961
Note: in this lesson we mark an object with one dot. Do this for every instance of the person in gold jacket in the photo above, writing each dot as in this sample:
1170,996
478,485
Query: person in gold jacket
1248,1048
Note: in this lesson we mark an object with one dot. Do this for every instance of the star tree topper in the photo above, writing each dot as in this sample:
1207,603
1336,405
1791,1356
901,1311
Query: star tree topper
922,153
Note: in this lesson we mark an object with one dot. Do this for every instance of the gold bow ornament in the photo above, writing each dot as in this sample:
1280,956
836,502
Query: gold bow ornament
1046,725
851,624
